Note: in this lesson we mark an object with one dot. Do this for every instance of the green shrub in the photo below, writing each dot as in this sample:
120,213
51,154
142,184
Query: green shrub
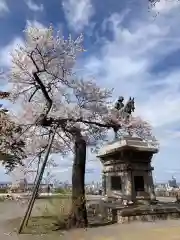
61,190
3,190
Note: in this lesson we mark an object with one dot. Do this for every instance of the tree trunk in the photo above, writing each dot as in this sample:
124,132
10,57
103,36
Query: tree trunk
79,213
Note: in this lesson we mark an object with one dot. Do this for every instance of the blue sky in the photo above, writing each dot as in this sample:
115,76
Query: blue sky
128,49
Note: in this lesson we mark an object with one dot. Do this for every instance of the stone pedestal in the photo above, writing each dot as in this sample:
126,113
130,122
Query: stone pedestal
104,184
127,169
128,186
151,187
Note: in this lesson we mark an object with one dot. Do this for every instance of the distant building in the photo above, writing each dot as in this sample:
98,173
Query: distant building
5,184
42,188
172,183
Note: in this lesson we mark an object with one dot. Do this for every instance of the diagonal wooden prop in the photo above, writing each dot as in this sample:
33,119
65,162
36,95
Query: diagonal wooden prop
37,184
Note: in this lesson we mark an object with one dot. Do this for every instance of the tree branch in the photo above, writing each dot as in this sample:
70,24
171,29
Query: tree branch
45,93
37,88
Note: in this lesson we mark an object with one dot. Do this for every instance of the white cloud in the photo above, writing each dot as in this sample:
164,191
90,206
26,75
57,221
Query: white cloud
5,57
33,6
125,64
164,6
5,53
3,7
34,23
78,13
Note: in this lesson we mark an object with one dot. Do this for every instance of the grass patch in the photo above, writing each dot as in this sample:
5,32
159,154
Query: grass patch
47,215
58,208
53,214
36,225
2,199
57,195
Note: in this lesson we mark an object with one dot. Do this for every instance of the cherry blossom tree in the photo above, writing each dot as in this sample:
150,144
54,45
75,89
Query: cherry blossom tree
11,147
52,96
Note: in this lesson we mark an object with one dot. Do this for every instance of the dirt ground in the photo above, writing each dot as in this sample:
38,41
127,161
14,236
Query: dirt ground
160,230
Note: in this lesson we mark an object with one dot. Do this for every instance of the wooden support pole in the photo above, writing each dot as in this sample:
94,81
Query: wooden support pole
35,181
37,184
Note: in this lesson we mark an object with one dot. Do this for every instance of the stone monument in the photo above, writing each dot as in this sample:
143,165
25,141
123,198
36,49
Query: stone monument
127,170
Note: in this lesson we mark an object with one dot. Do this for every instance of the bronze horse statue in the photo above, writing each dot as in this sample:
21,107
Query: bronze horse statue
125,110
130,106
